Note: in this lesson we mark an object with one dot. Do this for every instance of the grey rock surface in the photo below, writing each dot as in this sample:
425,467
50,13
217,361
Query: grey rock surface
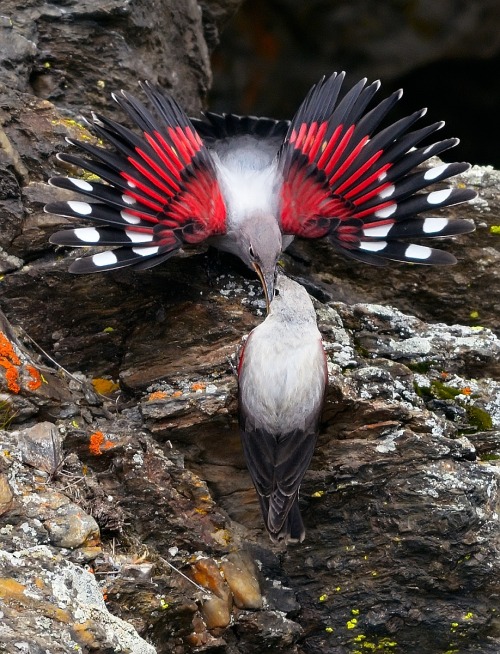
50,604
127,461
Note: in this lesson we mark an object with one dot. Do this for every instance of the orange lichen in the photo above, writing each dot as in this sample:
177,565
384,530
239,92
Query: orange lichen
107,445
157,395
98,443
9,360
176,393
466,391
11,364
444,375
198,386
11,376
7,351
96,440
36,379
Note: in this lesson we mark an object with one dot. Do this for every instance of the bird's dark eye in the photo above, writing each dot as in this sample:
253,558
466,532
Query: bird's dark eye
251,252
276,292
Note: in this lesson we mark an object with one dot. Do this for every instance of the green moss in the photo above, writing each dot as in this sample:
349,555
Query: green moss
489,457
443,391
420,366
479,417
422,391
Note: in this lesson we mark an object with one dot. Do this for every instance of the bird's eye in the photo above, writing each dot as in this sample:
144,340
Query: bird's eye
251,252
276,292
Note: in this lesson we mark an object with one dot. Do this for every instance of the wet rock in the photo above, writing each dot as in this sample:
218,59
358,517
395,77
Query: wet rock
241,575
216,609
270,630
216,612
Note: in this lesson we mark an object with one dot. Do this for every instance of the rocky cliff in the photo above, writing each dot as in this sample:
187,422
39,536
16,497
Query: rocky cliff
128,522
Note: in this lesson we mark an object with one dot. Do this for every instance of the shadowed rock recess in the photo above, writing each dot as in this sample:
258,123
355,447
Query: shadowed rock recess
128,522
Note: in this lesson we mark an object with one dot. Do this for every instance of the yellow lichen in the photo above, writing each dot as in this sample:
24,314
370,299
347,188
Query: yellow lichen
104,386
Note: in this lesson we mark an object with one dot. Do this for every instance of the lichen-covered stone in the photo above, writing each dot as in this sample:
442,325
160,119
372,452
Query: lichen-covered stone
51,604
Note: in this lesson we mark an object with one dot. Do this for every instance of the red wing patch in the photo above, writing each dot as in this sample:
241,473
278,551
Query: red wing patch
160,185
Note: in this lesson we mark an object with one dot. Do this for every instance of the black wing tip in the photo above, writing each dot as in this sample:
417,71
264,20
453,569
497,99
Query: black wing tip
57,238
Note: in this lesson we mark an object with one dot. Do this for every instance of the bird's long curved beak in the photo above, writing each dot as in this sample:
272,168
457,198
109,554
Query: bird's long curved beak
267,282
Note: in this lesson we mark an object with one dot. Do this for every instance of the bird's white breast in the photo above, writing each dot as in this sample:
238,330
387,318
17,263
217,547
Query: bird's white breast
282,378
249,182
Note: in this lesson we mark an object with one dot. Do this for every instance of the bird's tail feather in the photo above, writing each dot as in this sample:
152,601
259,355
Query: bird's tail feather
289,530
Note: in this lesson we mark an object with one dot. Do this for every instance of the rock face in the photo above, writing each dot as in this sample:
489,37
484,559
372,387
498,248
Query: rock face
128,522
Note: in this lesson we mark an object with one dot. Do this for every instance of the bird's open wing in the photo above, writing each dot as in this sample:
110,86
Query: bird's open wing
158,190
361,187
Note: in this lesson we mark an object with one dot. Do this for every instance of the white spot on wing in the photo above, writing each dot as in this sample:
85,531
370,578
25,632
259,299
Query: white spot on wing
82,208
382,176
418,252
146,252
370,246
81,184
87,234
434,225
388,211
138,237
104,259
131,184
128,200
380,231
387,192
439,196
432,173
130,218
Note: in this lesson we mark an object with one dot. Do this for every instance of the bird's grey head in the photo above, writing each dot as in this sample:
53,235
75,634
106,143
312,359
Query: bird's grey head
260,244
292,303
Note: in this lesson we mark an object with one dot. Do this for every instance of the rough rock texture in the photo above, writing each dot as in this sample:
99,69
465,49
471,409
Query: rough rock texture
59,606
60,51
128,462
